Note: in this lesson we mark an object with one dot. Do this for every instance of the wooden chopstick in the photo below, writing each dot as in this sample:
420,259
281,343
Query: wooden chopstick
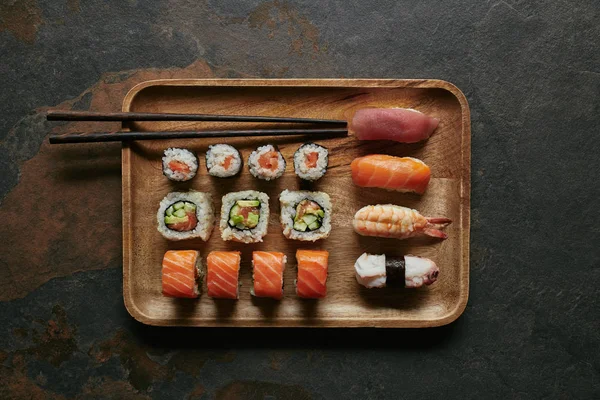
137,116
94,137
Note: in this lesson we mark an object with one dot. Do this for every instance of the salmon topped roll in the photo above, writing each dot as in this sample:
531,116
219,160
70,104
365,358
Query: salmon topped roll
222,274
181,273
403,174
312,273
268,267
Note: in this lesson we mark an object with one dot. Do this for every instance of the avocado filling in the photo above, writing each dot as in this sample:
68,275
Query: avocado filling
244,214
309,216
181,216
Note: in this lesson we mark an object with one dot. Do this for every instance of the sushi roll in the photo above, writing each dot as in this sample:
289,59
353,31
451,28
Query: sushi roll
179,164
312,273
305,215
222,274
376,271
310,161
186,215
223,160
244,216
267,274
266,162
181,271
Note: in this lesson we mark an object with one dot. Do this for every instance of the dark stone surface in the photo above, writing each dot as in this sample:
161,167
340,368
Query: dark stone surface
530,72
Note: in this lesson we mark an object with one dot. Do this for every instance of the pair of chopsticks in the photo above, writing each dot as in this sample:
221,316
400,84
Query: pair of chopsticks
92,137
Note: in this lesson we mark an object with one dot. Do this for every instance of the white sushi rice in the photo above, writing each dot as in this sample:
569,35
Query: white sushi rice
182,155
308,173
289,200
262,173
253,235
215,157
205,214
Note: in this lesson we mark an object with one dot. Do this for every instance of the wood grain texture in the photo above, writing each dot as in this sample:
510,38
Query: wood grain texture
447,152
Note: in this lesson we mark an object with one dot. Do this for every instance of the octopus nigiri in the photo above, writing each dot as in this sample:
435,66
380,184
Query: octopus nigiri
380,270
403,174
399,124
390,221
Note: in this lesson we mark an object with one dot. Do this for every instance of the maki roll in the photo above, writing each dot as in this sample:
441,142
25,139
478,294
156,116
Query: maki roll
222,276
305,215
376,271
223,160
244,216
310,161
181,272
312,273
179,164
266,162
186,215
267,274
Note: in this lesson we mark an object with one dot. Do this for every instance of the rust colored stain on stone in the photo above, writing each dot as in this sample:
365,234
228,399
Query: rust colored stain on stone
69,197
277,16
21,18
108,389
73,5
246,390
196,393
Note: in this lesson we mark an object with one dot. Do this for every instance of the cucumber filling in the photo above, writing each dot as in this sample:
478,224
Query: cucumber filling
244,214
181,216
309,216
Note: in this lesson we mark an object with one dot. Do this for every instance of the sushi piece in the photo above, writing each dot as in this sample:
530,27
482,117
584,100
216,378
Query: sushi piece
312,273
267,273
181,273
186,215
244,216
266,162
379,270
399,124
390,221
305,215
403,174
310,161
179,164
223,160
222,274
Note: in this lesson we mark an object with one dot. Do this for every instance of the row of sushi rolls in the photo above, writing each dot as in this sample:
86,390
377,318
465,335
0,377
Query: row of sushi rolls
305,215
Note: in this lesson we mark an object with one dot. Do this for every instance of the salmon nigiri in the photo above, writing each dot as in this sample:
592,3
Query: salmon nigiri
268,267
390,221
223,268
180,272
399,124
403,174
312,273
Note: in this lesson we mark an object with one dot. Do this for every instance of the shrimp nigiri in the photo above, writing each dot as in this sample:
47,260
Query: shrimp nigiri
399,124
390,221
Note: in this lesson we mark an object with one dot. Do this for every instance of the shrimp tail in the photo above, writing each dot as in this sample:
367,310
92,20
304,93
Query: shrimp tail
440,220
432,227
436,233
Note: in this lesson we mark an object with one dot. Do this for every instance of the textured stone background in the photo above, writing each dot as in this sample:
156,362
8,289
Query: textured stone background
530,72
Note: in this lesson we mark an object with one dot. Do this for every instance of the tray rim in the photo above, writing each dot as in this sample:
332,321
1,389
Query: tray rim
465,203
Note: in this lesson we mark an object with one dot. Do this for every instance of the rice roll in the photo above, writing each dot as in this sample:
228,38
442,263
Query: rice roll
266,162
267,274
312,273
305,215
244,216
310,161
223,160
222,274
186,215
379,270
181,272
179,165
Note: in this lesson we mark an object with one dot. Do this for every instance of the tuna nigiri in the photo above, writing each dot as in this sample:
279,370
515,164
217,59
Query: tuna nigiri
180,273
379,270
399,124
223,268
403,174
396,222
312,273
268,267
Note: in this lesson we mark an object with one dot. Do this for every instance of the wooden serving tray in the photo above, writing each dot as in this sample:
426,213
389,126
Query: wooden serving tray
347,304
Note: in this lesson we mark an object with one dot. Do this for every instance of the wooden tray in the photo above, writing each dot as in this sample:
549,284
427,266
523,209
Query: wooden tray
347,304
